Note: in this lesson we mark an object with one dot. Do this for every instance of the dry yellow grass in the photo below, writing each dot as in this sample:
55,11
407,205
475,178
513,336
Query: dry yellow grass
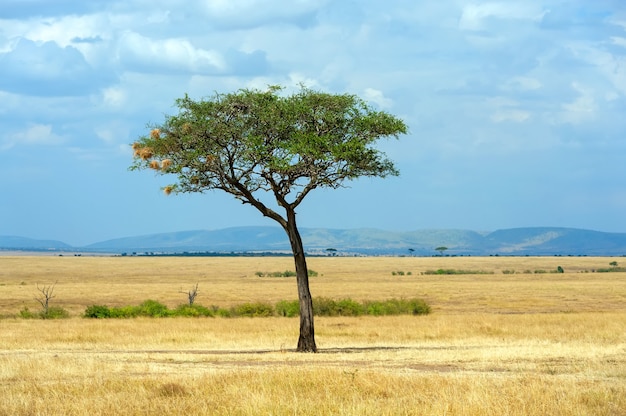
496,344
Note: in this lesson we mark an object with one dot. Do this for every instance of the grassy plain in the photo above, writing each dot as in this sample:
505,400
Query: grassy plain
520,343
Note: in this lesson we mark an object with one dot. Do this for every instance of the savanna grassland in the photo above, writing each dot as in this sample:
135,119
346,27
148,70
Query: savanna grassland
508,336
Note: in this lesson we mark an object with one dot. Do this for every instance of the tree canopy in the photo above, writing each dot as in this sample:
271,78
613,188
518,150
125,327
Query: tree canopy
253,142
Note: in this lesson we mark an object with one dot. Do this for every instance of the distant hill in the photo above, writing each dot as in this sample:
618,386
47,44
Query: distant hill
9,242
516,241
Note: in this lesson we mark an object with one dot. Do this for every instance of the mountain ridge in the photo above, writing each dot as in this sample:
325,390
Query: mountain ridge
368,241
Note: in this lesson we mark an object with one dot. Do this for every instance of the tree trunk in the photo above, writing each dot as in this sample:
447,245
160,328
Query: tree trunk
306,341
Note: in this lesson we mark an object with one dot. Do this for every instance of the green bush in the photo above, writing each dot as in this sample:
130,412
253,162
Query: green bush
612,269
253,309
286,273
349,307
330,307
223,313
27,314
419,307
288,308
125,312
321,307
455,271
324,306
97,311
54,312
397,307
153,308
192,310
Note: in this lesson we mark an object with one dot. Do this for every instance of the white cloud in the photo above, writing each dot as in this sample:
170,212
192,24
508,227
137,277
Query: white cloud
173,54
35,134
253,13
522,84
611,65
377,97
113,132
474,16
506,109
114,97
46,69
582,109
617,40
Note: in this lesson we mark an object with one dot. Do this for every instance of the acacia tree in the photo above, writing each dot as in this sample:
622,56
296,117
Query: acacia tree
251,142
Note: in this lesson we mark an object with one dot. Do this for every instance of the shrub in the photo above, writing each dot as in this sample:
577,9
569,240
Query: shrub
125,312
330,307
27,314
454,271
192,310
397,307
153,308
288,308
97,311
419,307
321,307
612,269
223,313
286,273
54,312
349,307
324,307
253,309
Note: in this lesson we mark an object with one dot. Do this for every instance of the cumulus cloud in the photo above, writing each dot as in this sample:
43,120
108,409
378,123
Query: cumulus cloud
377,97
34,134
150,55
507,110
582,109
238,14
32,8
48,70
114,97
475,16
143,54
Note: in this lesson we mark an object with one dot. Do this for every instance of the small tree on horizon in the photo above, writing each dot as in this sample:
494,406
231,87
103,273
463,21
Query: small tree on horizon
251,142
441,249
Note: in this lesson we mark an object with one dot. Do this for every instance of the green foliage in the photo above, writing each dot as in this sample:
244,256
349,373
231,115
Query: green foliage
287,308
27,314
612,269
253,309
125,312
286,273
154,309
397,307
322,306
54,312
508,271
97,311
310,139
329,307
455,271
193,310
559,269
441,249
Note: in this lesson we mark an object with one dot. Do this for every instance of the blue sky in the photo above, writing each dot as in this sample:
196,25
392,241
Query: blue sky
516,109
